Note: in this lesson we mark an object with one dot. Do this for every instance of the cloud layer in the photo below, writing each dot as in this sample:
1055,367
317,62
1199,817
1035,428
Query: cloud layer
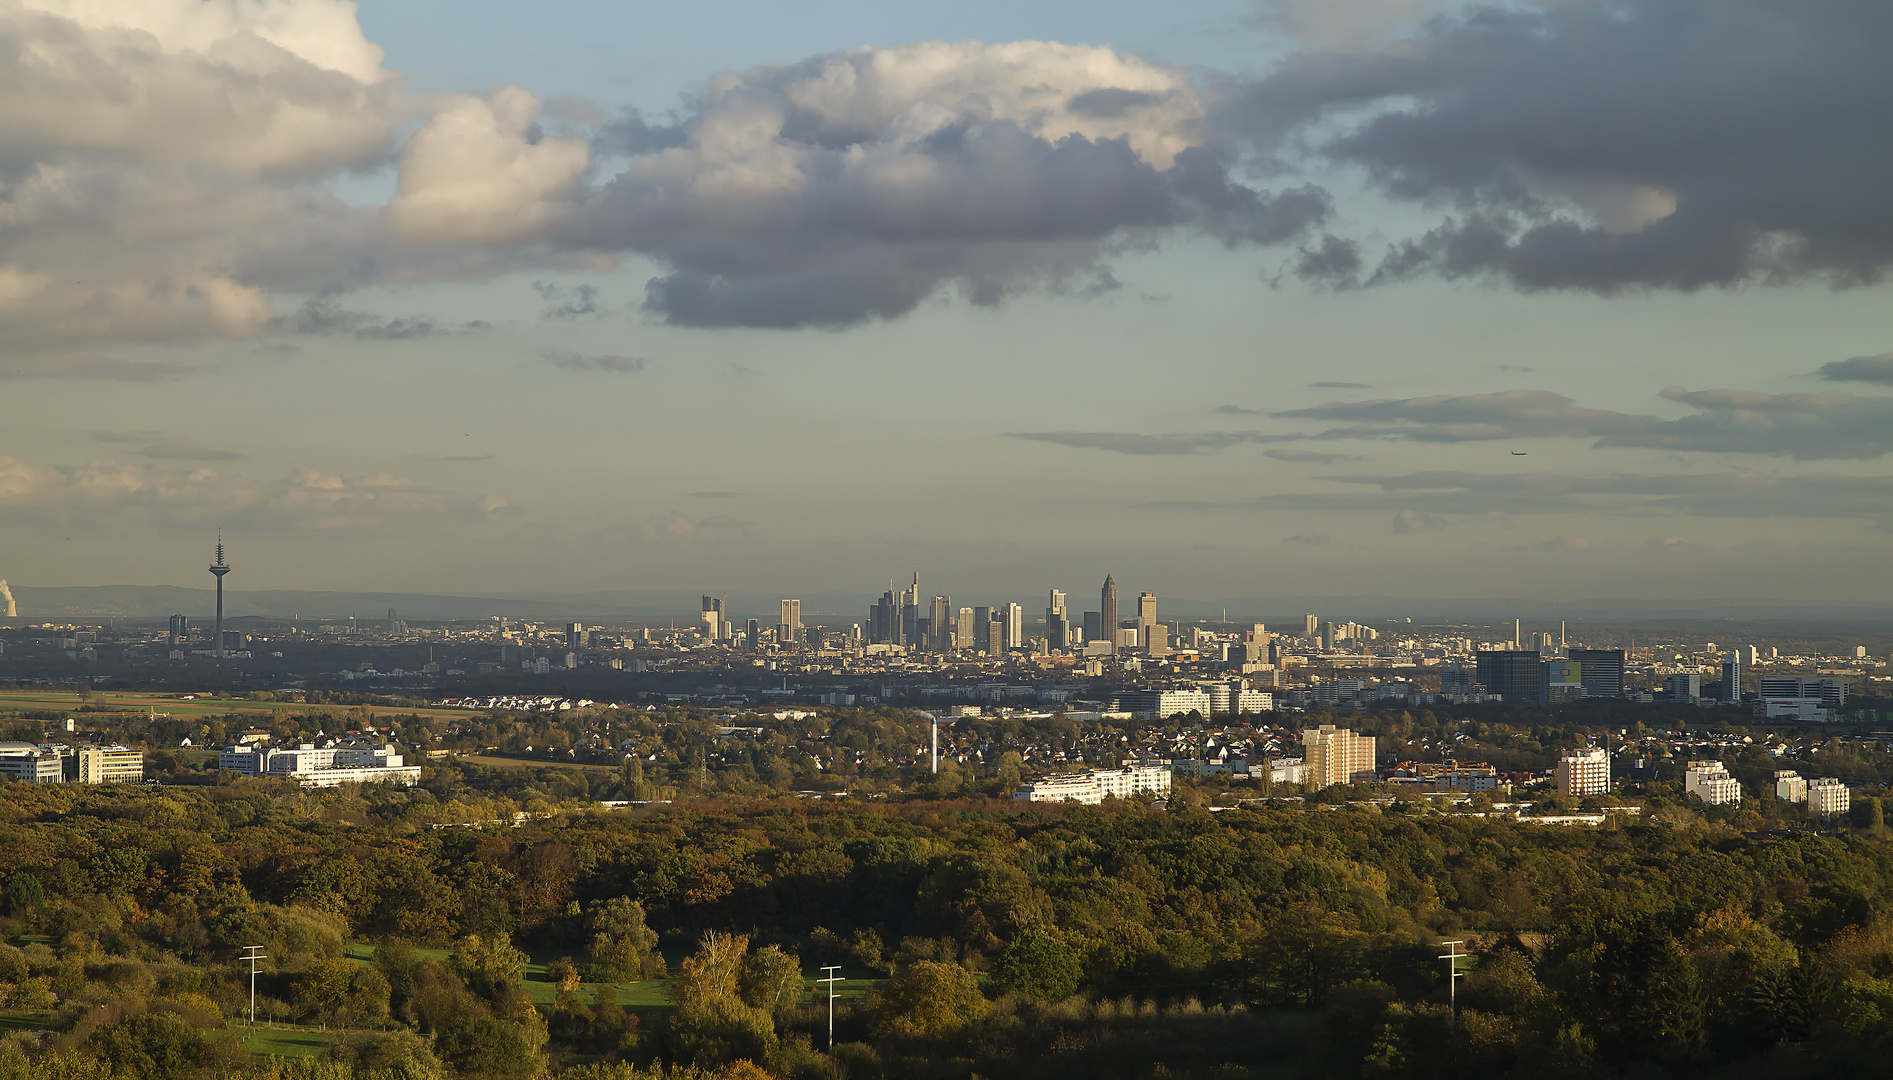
1673,145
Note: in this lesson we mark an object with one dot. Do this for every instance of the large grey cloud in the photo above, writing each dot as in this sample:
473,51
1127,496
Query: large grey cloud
1651,143
1875,369
857,184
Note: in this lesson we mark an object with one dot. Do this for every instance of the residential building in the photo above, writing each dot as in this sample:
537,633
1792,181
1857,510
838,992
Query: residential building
1828,795
1710,781
1160,704
1333,755
1791,786
1583,772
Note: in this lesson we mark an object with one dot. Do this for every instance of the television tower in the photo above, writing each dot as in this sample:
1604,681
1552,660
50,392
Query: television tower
218,568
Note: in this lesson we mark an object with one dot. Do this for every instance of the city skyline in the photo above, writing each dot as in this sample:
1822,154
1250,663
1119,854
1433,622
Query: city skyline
1247,298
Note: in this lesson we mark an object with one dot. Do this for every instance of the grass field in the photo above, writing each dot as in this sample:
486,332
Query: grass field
198,706
521,763
23,1020
281,1042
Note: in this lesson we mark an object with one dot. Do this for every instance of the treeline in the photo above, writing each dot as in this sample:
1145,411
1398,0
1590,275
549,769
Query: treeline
1015,940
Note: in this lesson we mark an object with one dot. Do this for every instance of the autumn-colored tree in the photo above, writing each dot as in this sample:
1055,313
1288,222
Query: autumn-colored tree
925,1000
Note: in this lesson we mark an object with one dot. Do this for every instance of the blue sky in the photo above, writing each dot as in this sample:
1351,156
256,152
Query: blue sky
1234,299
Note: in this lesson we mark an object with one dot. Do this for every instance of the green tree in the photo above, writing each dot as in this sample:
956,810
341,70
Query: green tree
926,999
24,895
772,980
1040,965
711,1023
490,966
623,946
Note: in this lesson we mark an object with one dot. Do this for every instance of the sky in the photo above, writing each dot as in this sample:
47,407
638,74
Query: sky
1557,299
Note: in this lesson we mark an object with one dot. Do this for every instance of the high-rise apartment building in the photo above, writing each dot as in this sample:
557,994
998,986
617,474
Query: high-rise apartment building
1107,609
1513,674
1790,786
1602,671
1710,781
1332,755
995,644
1732,677
1829,795
1584,772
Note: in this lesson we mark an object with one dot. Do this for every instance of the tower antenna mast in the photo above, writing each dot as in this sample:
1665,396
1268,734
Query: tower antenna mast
220,568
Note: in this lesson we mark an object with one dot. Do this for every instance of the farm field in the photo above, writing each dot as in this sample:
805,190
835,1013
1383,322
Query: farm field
181,705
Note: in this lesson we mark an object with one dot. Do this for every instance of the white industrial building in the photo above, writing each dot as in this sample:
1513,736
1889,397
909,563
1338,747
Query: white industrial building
59,763
322,767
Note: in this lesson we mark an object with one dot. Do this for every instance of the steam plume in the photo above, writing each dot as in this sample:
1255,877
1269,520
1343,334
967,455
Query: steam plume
13,611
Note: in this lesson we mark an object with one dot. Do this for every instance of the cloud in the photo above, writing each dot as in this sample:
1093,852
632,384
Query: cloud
1805,426
1316,540
1877,369
1123,442
675,528
1335,263
1237,410
572,361
179,450
564,303
1736,494
326,317
1340,386
854,185
1408,521
1311,457
108,493
1561,542
1698,143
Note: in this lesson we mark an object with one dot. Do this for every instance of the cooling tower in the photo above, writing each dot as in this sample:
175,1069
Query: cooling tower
6,594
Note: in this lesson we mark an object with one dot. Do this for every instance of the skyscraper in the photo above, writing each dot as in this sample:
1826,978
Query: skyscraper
789,630
1602,671
1057,621
1309,625
982,619
713,629
1732,677
1513,674
963,630
1107,609
939,620
1332,755
219,568
1015,626
1147,620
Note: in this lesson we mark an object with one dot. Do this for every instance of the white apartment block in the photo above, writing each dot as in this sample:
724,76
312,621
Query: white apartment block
1333,755
1791,786
1584,772
1710,781
324,767
1091,788
1827,795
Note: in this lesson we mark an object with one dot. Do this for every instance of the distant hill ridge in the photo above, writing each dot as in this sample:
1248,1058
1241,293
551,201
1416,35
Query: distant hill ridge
153,602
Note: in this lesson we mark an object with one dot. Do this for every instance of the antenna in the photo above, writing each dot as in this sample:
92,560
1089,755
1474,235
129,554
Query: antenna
831,980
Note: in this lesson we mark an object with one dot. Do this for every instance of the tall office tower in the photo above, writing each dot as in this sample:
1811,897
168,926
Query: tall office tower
1057,620
1601,671
995,644
712,619
1107,610
1332,755
910,614
939,620
1514,674
1092,628
791,625
219,568
1015,626
963,630
884,619
1147,619
180,629
1732,677
752,634
982,616
1517,642
1309,625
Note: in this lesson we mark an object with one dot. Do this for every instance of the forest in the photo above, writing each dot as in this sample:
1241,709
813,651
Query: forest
978,937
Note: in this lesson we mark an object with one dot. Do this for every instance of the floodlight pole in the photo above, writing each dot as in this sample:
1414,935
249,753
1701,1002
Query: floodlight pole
1452,956
831,980
253,953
